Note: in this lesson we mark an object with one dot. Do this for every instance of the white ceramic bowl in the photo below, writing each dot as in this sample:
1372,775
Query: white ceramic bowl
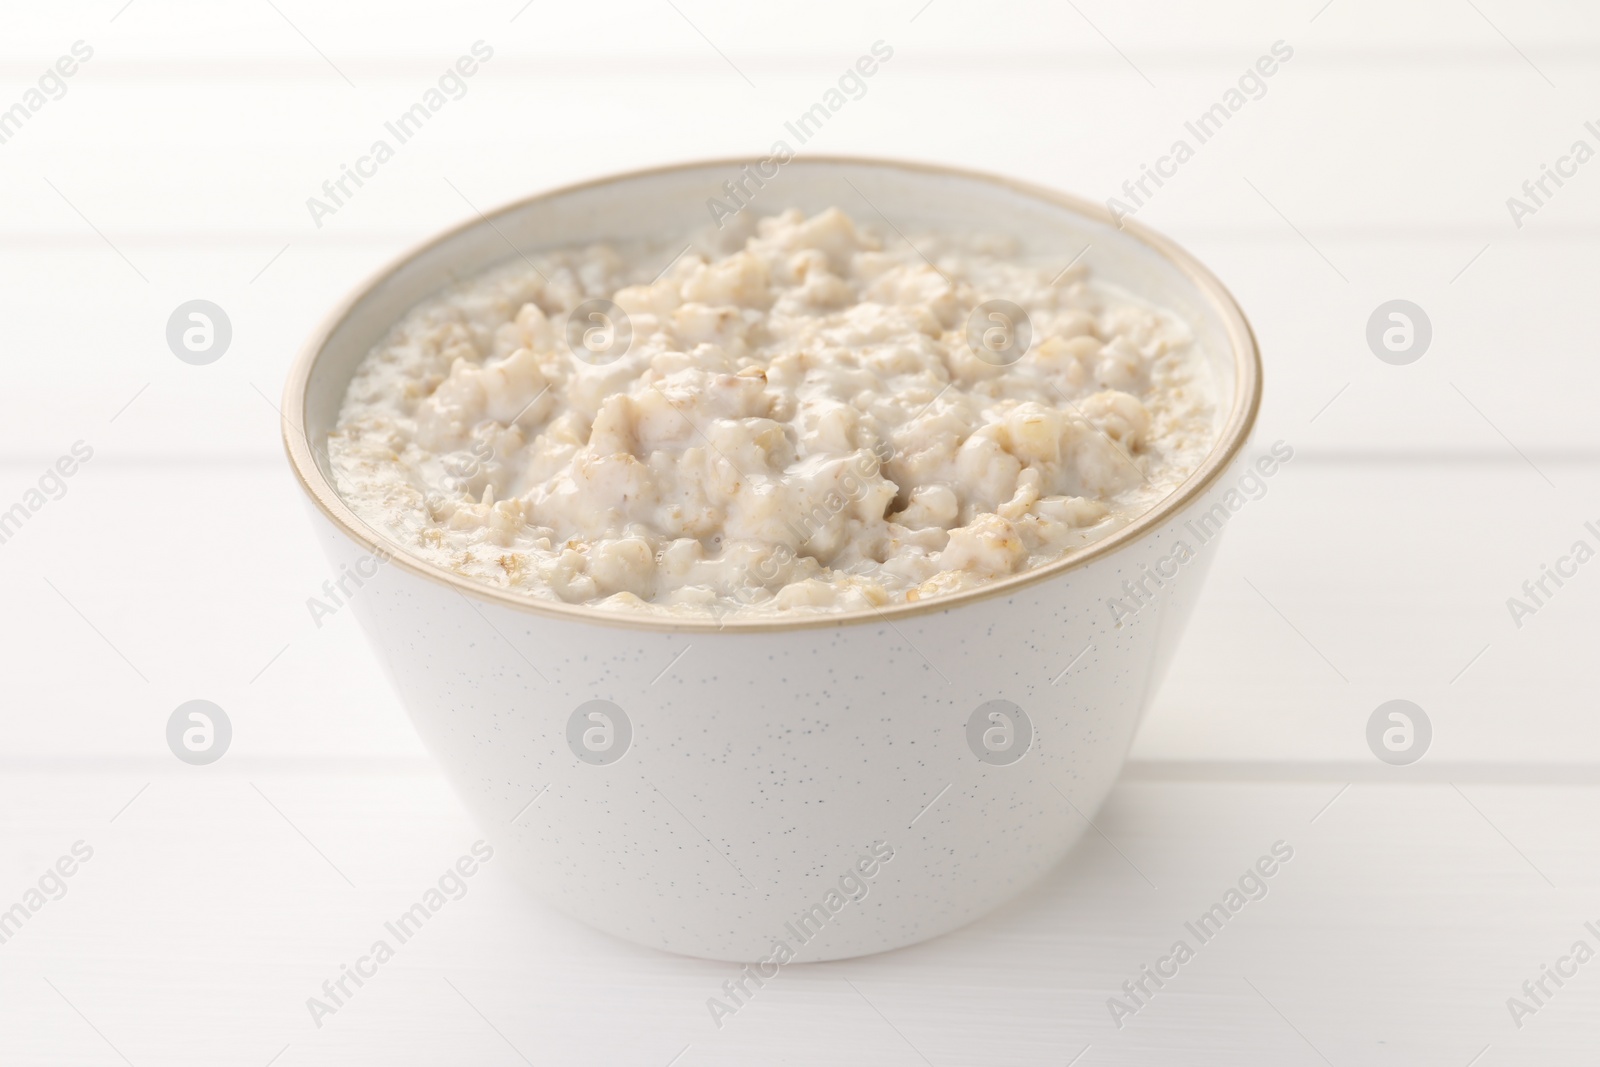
840,784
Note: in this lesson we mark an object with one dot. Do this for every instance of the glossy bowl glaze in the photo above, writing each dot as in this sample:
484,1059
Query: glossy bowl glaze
767,788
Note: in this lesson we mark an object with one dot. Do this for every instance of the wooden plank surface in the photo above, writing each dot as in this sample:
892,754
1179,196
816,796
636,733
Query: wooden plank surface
1394,935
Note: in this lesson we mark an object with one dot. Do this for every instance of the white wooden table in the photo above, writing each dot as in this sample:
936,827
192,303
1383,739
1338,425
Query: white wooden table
1376,166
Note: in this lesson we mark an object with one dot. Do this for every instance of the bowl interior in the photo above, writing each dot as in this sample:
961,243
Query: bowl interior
667,205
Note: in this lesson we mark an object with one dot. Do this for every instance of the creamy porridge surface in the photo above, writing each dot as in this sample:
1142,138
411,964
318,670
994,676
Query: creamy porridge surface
809,422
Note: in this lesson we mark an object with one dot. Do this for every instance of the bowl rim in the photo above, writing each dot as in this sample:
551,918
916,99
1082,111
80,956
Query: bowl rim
1245,405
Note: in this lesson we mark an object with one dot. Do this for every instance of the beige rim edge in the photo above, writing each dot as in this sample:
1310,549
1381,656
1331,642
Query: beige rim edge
1246,403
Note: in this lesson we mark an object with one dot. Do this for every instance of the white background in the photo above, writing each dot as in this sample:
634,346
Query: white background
177,566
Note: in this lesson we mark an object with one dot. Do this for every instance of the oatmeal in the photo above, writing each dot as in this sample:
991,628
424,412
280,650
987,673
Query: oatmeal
820,420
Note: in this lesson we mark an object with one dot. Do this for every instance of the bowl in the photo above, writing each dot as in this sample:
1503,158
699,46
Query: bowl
810,788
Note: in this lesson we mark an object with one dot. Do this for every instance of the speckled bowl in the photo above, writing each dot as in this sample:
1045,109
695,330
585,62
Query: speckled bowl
766,789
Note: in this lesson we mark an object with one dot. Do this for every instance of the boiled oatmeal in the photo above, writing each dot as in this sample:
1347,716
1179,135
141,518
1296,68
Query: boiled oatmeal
821,419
